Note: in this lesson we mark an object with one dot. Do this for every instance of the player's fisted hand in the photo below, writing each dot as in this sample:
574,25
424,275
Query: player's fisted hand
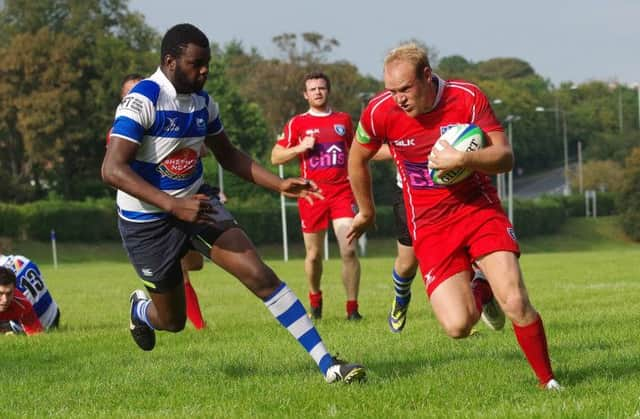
307,143
444,156
194,209
361,223
300,188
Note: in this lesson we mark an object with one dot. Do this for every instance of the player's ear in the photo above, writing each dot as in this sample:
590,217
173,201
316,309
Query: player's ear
169,61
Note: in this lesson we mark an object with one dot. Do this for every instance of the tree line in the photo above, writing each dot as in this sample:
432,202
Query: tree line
62,62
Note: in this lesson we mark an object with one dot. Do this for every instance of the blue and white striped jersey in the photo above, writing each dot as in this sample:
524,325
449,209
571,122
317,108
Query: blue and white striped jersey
30,282
170,129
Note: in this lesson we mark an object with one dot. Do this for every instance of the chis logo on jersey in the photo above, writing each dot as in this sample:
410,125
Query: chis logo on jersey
327,155
180,164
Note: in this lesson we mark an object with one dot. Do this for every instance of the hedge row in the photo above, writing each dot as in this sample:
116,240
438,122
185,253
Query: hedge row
96,220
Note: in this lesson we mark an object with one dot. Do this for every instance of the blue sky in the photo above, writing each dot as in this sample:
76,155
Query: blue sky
564,40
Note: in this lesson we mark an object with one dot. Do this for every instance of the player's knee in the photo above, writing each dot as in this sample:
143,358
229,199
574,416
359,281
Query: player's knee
348,253
313,256
262,281
516,305
405,269
174,324
458,329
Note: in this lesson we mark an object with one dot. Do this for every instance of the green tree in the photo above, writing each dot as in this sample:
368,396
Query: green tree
62,62
629,197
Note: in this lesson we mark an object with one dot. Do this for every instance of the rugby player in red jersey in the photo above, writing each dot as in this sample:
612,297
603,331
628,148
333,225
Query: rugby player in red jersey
451,226
15,307
320,139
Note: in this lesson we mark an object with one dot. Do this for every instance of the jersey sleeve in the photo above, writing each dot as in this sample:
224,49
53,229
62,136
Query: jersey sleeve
136,112
349,125
485,118
369,131
214,124
289,136
28,318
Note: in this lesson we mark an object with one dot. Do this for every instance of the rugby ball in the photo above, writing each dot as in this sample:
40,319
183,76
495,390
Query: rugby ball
462,137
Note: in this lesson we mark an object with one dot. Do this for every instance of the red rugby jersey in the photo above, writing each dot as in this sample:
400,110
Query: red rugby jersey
22,311
327,162
411,139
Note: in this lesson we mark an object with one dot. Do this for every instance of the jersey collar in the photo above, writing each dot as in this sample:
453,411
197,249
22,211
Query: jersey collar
439,89
316,113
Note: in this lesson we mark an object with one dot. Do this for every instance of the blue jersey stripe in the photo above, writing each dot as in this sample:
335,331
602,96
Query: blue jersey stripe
174,124
128,128
214,126
142,216
147,88
43,304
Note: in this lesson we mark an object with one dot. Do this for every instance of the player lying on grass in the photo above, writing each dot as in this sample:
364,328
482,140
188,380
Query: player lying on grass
16,312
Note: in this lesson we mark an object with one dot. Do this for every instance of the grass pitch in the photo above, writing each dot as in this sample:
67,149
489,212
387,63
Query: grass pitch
584,282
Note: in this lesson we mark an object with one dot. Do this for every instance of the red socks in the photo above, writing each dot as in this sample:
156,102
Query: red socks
315,300
193,307
352,306
533,342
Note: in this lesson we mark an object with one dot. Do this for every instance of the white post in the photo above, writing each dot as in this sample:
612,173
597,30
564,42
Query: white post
362,244
510,178
580,165
283,214
54,249
586,203
326,245
221,178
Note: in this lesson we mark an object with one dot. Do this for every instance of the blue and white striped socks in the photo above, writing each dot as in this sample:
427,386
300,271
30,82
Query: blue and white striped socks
140,312
289,311
402,288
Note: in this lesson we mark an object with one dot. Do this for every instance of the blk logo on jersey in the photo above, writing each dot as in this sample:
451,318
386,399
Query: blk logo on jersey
179,165
405,142
327,155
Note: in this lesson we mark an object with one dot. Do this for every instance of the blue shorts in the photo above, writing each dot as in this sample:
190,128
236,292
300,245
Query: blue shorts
155,248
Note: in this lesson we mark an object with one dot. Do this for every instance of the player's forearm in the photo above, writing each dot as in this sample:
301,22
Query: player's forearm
121,176
360,179
282,155
493,159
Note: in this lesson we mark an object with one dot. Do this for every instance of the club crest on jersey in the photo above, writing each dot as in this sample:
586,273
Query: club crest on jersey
179,165
200,123
340,129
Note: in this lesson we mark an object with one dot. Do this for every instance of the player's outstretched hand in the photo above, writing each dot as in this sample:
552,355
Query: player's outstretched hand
361,223
194,209
300,188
